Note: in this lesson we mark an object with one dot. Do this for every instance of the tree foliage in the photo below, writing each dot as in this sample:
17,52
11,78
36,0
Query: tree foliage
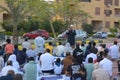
88,28
16,11
19,10
71,12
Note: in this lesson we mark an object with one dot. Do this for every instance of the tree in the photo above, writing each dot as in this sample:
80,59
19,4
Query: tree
68,10
71,12
16,10
88,28
44,11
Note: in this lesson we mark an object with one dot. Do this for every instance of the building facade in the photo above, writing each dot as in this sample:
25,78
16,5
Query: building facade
3,14
104,13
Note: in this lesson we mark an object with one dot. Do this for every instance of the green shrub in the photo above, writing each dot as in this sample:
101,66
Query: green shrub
88,28
51,35
21,33
8,33
111,35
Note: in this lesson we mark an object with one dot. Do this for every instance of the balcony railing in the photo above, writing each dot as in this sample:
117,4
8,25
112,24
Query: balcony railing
117,15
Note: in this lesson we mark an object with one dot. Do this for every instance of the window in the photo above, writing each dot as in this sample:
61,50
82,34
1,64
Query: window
108,2
97,11
116,2
5,16
117,12
107,24
116,24
107,12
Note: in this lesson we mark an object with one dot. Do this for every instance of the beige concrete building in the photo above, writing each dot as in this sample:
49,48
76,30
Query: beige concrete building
3,14
104,13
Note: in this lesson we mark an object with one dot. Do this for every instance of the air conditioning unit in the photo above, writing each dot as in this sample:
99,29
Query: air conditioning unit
109,5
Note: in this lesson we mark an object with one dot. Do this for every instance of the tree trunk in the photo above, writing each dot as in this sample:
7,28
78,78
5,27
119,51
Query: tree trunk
15,34
53,29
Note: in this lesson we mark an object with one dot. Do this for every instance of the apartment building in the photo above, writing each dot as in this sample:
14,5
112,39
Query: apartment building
104,13
3,14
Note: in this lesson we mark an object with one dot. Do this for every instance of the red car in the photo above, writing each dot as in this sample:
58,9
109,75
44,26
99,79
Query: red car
35,33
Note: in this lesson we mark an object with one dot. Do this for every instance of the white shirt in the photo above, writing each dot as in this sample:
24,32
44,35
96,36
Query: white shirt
26,45
59,50
68,48
5,70
92,55
30,53
1,62
106,64
47,61
58,69
114,51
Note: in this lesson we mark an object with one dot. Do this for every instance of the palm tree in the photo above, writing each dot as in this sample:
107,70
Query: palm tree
16,11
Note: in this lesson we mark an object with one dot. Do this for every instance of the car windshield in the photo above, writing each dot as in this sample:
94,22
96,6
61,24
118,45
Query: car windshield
79,32
33,32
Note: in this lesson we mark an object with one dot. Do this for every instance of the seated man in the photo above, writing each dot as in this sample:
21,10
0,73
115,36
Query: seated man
9,76
59,50
76,71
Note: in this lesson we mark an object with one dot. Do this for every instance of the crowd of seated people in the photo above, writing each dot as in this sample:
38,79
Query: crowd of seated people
83,62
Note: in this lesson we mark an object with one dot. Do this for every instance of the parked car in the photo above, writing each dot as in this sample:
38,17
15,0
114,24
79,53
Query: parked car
35,33
101,35
79,34
118,35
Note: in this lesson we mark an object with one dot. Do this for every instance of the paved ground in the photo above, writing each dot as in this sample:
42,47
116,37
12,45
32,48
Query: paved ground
115,71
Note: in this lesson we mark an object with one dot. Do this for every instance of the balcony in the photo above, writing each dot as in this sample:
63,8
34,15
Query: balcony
117,15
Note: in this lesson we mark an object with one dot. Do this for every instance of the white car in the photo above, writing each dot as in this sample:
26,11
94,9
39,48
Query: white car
79,34
102,35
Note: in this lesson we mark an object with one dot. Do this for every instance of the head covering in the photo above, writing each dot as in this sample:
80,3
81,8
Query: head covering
14,61
39,41
67,45
12,58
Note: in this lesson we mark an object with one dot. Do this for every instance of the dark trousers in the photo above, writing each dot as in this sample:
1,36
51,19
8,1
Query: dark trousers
6,56
48,71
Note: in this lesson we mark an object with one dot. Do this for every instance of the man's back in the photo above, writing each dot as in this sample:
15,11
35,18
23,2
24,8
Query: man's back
100,74
7,77
30,71
60,50
78,55
67,61
106,64
46,60
30,53
5,70
26,45
114,51
22,57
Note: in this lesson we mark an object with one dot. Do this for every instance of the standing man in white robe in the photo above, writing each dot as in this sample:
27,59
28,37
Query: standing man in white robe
39,43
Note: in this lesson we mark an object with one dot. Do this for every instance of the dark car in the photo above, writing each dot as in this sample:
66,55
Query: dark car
35,33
